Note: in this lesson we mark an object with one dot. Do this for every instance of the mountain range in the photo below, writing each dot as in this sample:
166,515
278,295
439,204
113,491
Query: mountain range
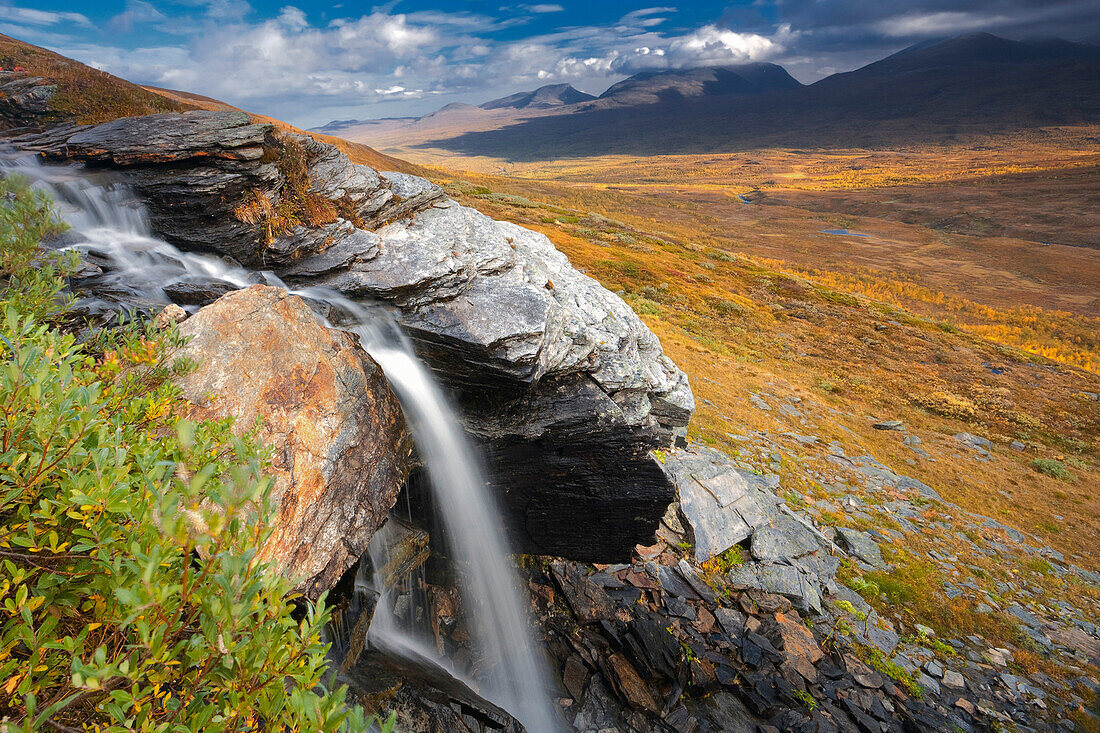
975,83
647,87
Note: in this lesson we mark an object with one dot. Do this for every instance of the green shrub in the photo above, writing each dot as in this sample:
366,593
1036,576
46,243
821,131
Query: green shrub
866,588
29,278
1052,468
131,596
875,659
722,563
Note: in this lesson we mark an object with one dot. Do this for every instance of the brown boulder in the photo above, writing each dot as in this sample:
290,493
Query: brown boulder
799,646
340,448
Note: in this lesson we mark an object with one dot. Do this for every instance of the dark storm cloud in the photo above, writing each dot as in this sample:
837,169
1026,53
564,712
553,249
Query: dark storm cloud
834,35
902,18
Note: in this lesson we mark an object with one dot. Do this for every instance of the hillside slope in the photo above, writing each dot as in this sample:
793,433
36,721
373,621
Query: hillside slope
38,85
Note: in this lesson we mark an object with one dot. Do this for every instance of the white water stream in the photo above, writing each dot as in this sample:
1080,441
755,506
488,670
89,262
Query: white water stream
108,221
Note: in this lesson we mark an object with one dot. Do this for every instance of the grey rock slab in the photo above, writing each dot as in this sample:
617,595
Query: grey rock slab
973,441
953,679
718,504
844,593
356,246
725,488
784,580
1025,616
929,683
906,482
700,586
861,545
197,290
671,581
782,541
878,633
170,137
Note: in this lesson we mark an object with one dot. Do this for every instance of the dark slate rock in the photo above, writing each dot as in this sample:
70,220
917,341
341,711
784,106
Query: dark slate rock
651,647
723,711
697,584
587,599
1026,617
197,290
671,581
731,620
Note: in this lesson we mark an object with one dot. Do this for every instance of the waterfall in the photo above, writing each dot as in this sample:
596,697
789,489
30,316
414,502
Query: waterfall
109,223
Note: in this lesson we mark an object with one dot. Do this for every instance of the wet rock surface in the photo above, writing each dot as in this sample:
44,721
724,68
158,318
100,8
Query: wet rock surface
425,698
340,447
557,377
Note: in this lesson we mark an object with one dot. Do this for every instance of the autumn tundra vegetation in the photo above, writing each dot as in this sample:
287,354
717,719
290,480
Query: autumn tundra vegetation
895,339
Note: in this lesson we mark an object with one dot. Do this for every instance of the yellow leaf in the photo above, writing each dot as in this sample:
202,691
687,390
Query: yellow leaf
11,684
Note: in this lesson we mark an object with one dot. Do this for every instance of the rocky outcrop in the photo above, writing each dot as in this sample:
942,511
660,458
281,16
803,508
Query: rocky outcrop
722,506
557,377
340,450
193,170
24,99
666,643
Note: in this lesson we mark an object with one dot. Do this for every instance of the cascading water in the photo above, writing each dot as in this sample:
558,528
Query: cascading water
110,223
473,526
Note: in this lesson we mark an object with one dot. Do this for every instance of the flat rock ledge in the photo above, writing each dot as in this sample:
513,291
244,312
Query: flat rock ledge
558,378
340,450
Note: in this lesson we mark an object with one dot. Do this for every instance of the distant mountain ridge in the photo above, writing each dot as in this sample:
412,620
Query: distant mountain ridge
646,87
652,87
971,84
551,95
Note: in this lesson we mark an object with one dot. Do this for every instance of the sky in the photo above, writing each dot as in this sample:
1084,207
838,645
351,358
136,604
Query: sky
309,61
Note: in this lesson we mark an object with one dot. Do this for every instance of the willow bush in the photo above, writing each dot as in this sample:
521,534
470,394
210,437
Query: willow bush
131,597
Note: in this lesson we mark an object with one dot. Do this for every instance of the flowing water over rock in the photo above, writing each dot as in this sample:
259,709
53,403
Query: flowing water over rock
129,266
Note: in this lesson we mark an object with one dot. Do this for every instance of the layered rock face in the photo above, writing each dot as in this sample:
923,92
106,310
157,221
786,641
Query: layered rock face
560,381
341,450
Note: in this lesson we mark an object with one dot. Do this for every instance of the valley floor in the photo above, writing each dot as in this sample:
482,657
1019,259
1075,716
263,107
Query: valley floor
995,235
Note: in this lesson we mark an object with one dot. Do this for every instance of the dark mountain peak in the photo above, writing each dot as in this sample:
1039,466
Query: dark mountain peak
648,87
974,49
551,95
